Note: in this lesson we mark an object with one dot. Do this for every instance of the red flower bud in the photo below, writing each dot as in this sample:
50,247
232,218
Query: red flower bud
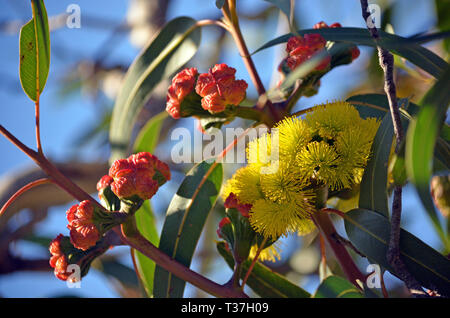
58,260
232,202
219,88
103,183
182,84
320,25
222,223
139,175
336,25
355,52
83,232
301,49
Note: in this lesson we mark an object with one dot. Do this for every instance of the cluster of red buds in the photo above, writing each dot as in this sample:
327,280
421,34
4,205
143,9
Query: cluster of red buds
130,181
302,48
138,177
191,93
84,232
235,228
64,254
58,259
354,51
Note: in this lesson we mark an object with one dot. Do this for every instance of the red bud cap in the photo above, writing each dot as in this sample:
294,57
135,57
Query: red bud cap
182,85
83,232
138,176
219,88
232,202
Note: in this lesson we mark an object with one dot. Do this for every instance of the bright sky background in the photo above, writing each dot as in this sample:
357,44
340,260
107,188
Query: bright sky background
63,120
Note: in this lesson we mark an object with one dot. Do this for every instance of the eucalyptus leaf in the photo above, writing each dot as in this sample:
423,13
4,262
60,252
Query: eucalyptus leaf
175,45
369,232
34,51
398,45
185,218
262,280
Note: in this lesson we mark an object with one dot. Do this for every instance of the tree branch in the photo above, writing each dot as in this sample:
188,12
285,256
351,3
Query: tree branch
386,61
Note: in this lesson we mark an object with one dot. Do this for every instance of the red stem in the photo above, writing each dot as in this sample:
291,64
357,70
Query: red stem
134,239
22,191
323,222
229,12
57,177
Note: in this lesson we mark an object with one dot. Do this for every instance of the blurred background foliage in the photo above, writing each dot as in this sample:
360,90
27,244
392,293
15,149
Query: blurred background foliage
88,66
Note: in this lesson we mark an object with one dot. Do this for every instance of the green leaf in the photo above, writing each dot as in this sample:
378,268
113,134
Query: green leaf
369,232
147,139
420,144
263,280
146,225
34,51
175,45
398,45
337,287
373,190
377,105
185,218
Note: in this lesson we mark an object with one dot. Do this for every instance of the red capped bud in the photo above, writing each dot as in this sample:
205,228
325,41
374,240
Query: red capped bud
232,202
336,25
63,254
219,88
301,49
222,223
58,260
140,175
355,52
182,85
104,182
83,232
320,25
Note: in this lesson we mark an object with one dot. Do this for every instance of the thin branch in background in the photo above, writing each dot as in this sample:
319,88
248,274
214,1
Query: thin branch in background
386,61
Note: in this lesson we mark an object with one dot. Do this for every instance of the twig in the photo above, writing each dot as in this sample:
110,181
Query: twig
23,190
230,14
386,61
255,259
133,238
326,227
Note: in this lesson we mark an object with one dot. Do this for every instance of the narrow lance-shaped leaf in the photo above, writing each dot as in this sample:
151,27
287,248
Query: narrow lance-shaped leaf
171,49
34,51
369,232
185,218
420,143
147,140
263,280
398,45
337,287
373,190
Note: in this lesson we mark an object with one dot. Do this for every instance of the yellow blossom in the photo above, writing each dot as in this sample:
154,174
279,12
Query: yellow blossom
270,253
327,120
245,184
273,220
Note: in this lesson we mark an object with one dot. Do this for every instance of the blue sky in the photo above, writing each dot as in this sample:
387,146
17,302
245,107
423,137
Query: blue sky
63,119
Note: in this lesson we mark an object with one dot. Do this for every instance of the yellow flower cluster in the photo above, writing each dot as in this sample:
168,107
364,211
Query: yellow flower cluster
330,146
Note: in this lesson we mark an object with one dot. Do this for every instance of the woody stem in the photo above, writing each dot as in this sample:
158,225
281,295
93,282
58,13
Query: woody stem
230,14
134,239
